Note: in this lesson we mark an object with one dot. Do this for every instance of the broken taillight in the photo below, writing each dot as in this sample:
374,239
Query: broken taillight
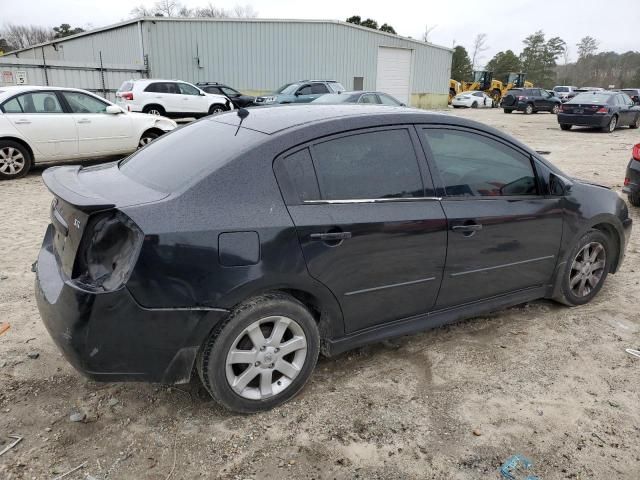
108,251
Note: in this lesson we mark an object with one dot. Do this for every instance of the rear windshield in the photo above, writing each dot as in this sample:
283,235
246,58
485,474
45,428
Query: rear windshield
630,91
187,154
593,98
126,87
336,98
560,89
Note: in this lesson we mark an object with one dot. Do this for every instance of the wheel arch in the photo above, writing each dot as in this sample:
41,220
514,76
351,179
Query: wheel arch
612,233
24,144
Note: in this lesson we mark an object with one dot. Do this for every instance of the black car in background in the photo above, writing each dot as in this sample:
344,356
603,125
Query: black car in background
293,231
632,178
602,109
530,100
634,94
238,99
360,97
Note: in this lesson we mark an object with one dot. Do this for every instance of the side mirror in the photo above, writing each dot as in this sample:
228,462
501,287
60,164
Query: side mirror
559,186
297,94
202,94
113,110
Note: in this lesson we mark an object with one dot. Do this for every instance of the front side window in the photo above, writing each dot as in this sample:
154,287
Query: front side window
230,92
372,165
81,103
186,89
472,165
36,102
305,90
319,88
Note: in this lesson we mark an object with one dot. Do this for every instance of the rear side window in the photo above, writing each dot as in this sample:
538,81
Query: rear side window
12,106
126,87
319,88
472,165
373,165
36,102
296,177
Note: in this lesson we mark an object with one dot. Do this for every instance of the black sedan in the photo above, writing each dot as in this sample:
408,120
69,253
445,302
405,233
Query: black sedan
238,99
359,97
632,178
604,110
287,232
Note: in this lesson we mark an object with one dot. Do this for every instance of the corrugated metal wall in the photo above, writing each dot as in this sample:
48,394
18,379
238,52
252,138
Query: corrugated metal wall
120,45
262,55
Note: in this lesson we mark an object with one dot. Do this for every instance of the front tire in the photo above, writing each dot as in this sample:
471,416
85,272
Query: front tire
15,160
556,109
565,126
529,109
508,110
216,108
634,199
611,127
587,268
262,355
147,138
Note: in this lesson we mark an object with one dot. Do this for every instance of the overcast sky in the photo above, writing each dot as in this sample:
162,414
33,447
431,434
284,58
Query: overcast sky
614,23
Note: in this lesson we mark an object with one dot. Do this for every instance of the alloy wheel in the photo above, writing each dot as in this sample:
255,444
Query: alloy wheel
266,357
587,269
154,111
11,161
145,141
529,109
613,124
555,109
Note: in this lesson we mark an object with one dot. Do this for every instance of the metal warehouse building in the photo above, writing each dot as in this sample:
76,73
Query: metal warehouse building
252,55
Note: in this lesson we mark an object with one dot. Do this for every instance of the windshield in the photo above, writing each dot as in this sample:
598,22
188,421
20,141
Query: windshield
287,89
560,89
588,97
188,153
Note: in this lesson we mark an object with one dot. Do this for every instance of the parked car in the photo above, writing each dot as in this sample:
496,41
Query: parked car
304,91
634,94
238,99
40,125
371,222
360,97
472,99
563,91
171,98
530,100
632,178
602,109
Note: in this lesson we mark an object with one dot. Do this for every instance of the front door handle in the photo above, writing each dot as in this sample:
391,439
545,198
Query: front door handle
467,230
331,236
22,122
84,120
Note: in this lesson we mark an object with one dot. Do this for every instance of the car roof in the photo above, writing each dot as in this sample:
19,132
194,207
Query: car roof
11,90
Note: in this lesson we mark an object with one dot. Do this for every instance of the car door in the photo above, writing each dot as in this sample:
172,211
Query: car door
626,108
160,93
504,232
192,99
539,102
41,119
99,133
309,92
368,225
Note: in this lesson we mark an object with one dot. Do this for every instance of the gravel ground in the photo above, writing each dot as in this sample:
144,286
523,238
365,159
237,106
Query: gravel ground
542,380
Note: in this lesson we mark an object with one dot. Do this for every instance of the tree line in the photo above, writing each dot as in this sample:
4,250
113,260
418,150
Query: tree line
539,60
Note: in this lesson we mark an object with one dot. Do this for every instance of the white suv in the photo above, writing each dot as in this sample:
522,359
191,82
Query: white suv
169,98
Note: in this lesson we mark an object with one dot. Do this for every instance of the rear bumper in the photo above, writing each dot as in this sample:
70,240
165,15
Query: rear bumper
584,120
632,178
110,337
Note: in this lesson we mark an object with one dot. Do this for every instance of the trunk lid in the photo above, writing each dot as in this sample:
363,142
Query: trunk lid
78,193
581,109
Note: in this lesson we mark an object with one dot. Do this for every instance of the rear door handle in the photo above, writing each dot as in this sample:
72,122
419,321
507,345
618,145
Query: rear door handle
84,120
331,236
22,122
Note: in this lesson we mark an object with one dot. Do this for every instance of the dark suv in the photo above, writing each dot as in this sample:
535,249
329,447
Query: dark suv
287,232
530,100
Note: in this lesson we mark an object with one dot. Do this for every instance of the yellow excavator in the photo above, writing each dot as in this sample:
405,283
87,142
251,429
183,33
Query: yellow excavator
483,80
455,87
516,80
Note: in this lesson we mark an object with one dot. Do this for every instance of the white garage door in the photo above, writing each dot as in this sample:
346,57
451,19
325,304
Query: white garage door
394,72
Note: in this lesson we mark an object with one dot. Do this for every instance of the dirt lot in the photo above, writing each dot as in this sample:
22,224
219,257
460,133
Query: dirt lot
552,383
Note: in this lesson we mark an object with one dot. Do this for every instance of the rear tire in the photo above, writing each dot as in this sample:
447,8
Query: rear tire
611,127
474,105
242,364
556,109
15,160
587,268
528,110
508,110
636,123
154,110
565,126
